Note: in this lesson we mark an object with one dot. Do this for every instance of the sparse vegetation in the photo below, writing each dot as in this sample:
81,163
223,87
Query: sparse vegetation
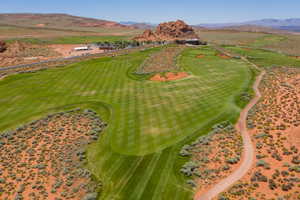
46,157
162,61
273,122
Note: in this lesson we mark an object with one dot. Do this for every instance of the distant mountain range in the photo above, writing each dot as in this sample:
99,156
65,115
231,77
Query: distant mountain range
140,25
65,21
292,24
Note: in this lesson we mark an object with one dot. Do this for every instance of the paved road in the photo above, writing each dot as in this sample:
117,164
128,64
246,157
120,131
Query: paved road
47,61
69,58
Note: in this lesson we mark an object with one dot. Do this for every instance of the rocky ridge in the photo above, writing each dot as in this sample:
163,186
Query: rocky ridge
168,31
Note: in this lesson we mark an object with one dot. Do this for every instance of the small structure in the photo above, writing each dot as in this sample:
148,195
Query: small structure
194,41
107,48
85,48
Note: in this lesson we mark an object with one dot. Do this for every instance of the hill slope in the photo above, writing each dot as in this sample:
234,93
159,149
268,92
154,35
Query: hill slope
61,21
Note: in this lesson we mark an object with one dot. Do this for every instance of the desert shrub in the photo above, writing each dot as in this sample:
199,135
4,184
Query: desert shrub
260,156
233,160
185,150
188,168
296,160
276,174
223,198
191,183
294,149
259,177
294,168
286,187
272,184
261,135
226,167
276,156
284,173
237,189
259,145
262,163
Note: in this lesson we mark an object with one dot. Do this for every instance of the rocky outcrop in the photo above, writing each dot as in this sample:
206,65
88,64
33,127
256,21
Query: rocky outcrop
169,31
3,46
148,35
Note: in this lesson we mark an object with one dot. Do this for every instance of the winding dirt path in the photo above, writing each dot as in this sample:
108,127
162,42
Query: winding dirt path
248,154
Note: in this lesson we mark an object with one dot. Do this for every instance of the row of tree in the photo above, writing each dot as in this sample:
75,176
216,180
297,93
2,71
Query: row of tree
3,46
123,44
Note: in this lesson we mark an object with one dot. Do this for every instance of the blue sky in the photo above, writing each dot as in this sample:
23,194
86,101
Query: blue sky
155,11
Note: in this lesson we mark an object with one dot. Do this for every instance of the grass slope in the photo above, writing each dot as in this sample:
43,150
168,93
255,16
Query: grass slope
137,157
268,40
265,58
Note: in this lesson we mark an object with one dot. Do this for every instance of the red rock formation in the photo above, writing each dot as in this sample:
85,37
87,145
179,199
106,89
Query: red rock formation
148,35
169,31
3,46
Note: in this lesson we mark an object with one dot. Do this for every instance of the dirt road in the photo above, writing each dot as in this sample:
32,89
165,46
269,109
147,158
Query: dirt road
248,153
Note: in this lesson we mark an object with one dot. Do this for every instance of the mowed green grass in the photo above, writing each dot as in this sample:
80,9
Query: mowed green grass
267,40
137,156
227,37
71,39
265,58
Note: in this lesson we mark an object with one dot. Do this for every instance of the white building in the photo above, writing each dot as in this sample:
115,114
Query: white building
86,48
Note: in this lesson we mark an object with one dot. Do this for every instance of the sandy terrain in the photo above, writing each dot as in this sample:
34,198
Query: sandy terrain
42,160
169,76
67,50
224,56
274,125
23,53
200,56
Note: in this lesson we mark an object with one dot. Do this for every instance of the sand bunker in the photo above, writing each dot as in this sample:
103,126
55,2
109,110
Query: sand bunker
200,56
224,56
170,76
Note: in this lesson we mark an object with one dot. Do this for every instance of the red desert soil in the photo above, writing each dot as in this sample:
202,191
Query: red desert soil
248,153
67,50
170,76
23,53
224,56
42,160
200,56
274,125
